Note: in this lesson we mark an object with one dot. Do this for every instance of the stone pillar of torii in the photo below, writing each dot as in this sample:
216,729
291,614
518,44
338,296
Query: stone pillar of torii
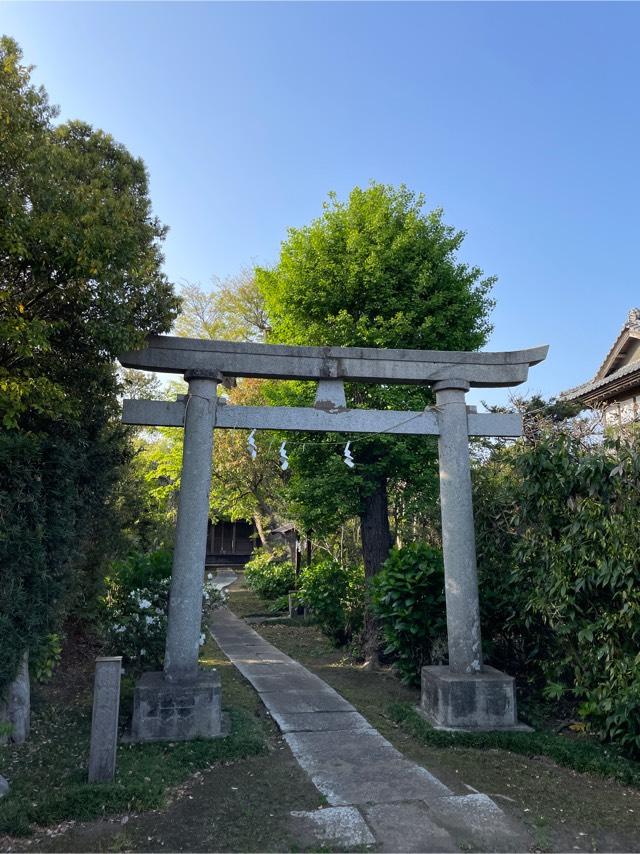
184,702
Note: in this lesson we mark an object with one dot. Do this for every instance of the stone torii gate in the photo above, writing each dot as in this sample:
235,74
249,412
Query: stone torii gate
184,702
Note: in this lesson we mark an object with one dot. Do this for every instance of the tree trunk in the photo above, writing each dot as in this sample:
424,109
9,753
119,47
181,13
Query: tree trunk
376,542
257,521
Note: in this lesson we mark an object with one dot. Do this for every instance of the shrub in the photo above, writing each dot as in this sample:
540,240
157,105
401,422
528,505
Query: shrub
135,605
270,573
140,569
335,594
46,657
408,600
568,555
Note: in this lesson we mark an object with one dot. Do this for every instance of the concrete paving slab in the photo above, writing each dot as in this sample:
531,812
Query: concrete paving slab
406,807
407,826
290,679
223,578
477,820
358,767
294,702
343,827
321,721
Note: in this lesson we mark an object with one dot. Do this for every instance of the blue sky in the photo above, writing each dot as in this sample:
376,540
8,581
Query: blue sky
521,120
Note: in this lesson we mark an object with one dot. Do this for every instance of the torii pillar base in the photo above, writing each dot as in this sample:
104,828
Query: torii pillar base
481,701
177,711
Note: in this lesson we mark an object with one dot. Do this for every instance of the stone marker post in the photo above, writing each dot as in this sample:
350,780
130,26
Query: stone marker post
104,721
15,709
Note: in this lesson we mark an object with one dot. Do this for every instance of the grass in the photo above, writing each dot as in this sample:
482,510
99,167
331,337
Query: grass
579,754
48,772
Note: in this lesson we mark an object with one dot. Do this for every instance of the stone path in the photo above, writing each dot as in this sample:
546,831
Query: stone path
376,796
223,578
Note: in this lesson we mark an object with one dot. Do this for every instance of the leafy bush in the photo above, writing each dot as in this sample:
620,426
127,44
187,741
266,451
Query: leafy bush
46,657
408,600
335,594
561,536
135,606
270,573
140,569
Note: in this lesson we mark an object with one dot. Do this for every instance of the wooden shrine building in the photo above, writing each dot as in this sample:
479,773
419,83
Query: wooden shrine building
230,543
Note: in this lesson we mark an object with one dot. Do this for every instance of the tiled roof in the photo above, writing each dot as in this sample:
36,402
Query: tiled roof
632,323
593,385
602,379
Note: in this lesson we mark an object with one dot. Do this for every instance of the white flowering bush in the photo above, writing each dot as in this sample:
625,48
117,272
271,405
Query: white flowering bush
134,609
135,623
212,597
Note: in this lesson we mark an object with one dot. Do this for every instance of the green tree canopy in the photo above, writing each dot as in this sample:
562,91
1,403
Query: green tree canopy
80,261
374,271
80,280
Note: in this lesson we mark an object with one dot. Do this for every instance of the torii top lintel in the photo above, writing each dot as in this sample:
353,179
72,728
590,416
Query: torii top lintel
165,353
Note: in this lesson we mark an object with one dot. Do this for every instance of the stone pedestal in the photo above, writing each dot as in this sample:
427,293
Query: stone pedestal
177,711
485,700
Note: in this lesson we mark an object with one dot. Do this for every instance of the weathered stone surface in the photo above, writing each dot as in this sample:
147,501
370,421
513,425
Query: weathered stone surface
359,767
278,361
481,701
458,535
342,827
224,578
4,786
477,821
185,601
16,710
407,827
104,721
277,679
205,362
405,807
321,721
424,423
177,711
295,701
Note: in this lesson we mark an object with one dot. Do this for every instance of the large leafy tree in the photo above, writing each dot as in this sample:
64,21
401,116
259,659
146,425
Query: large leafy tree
374,271
242,487
80,280
80,258
232,310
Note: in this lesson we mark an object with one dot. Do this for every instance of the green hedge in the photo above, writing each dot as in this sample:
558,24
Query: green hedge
42,520
559,562
408,600
335,596
270,573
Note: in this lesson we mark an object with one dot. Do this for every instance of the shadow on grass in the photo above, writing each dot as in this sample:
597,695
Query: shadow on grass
49,777
48,774
580,754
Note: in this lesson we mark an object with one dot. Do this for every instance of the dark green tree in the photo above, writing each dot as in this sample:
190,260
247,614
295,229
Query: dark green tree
374,271
80,280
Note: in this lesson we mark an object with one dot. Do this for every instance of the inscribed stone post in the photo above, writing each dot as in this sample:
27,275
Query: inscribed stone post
104,721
